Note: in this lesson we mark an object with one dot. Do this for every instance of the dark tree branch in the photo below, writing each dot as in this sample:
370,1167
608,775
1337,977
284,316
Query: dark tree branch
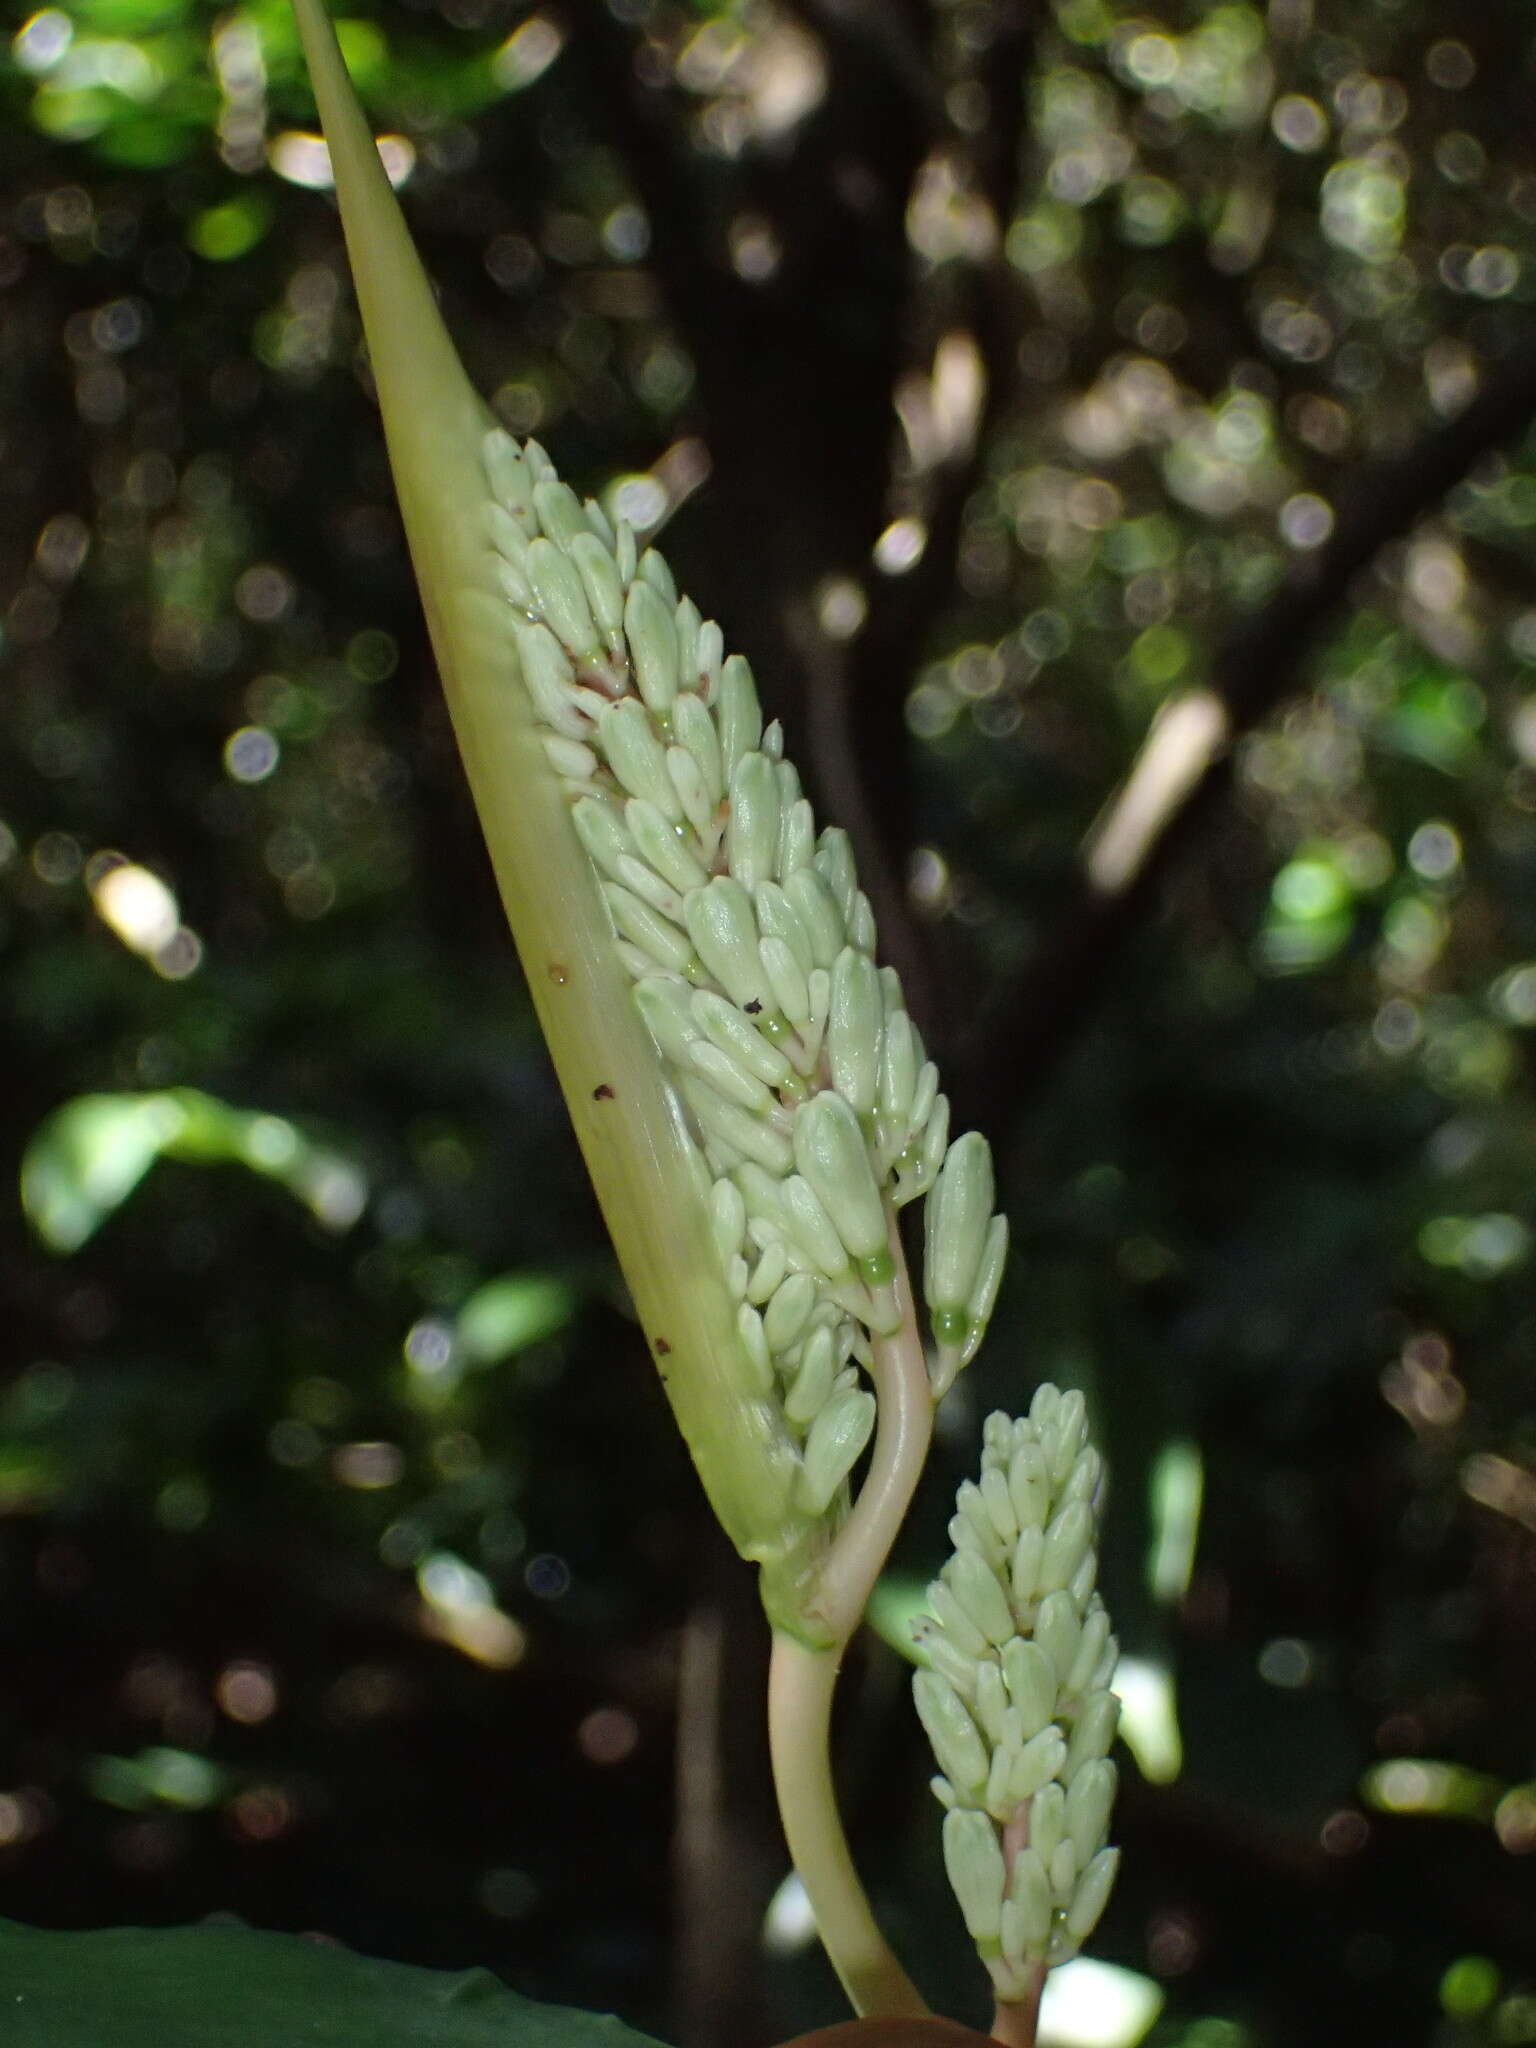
872,31
640,123
859,730
1157,819
726,1850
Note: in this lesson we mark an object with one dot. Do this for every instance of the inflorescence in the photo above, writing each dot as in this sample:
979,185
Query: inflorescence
797,1071
1016,1699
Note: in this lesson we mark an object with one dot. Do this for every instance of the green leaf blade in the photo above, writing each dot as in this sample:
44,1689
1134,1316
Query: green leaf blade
221,1986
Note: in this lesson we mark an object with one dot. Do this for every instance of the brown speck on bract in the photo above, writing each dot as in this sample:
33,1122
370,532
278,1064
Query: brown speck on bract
753,1007
557,974
602,1092
663,1348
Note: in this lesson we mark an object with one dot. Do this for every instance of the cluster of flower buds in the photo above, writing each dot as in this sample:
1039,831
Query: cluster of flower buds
798,1072
1015,1695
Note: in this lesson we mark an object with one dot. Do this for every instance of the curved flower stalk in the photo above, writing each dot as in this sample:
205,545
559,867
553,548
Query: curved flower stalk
754,1104
1015,1699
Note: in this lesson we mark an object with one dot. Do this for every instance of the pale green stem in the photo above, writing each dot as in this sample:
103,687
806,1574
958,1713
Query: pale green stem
1016,2021
802,1678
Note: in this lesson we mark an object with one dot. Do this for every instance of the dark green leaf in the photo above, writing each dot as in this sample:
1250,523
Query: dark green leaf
231,1987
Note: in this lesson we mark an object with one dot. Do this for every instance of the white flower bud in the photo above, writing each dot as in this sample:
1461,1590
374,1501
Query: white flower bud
736,709
1068,1433
688,623
1093,1731
854,1029
1028,1937
694,730
940,1654
831,1154
749,1328
600,584
1057,1630
956,1741
974,1862
989,1278
724,932
1090,1798
547,675
769,1271
665,1005
738,1135
654,570
798,839
999,1505
1083,1481
956,1218
807,1221
989,1700
1090,1649
507,567
1029,1485
1024,1569
558,508
809,897
1031,1678
973,1508
1047,1821
692,794
789,1311
643,880
598,520
813,1379
778,919
507,474
570,758
560,597
975,1586
645,928
711,652
900,1057
725,1073
834,863
832,1449
727,1218
786,980
636,755
1092,1894
624,551
1037,1763
752,828
659,841
540,468
1067,1541
738,1036
955,1622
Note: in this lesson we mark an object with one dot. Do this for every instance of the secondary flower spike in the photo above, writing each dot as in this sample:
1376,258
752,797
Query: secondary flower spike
1015,1696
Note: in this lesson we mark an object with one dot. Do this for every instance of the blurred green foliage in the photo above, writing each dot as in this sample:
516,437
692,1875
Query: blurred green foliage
344,1546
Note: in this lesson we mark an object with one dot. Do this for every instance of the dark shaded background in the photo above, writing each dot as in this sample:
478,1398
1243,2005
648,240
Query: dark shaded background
1001,375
